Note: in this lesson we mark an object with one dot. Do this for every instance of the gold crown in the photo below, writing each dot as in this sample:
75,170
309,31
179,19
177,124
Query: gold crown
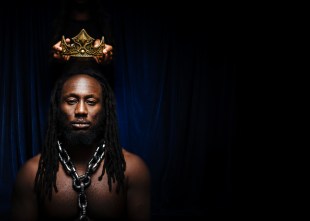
82,45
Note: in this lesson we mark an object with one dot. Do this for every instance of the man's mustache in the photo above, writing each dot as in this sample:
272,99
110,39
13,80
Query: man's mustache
80,122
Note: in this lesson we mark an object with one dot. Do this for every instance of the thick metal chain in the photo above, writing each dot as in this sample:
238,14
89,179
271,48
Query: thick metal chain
80,183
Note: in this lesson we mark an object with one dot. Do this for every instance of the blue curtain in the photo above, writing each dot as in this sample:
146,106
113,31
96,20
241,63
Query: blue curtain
176,104
175,89
24,90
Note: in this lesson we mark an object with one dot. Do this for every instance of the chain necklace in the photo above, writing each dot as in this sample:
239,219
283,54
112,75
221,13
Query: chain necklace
80,183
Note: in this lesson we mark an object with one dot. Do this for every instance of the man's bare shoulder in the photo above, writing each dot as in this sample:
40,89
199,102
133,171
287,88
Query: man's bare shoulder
133,160
24,205
138,187
27,172
31,164
136,167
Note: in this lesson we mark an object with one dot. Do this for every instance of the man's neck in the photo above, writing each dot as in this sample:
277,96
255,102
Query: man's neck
81,155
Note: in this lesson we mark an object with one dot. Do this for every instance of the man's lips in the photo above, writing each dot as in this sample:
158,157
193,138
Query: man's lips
80,124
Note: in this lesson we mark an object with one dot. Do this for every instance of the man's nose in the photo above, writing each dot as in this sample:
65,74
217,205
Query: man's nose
81,109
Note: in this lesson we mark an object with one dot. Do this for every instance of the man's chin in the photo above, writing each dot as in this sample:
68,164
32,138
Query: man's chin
80,131
78,134
79,137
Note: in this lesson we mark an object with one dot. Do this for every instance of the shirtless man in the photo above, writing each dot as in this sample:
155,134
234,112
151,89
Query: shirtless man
82,172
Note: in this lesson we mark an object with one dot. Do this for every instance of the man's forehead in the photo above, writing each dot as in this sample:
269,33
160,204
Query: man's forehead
81,84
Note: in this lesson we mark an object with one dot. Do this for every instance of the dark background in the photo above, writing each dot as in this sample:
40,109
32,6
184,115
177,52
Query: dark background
175,83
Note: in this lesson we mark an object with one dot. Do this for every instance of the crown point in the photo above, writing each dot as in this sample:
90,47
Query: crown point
82,46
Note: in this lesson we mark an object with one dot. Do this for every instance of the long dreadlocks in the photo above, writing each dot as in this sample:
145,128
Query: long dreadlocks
114,162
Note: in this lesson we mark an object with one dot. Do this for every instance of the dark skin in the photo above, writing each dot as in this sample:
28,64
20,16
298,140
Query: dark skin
81,98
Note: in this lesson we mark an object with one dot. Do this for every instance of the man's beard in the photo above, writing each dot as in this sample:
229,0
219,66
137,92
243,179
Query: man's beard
73,138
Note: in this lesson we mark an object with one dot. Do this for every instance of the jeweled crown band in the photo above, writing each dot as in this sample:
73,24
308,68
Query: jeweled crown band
82,45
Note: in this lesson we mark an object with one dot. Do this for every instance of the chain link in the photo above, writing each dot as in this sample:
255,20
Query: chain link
80,183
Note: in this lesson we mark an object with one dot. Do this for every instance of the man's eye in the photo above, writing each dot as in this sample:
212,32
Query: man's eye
71,102
91,102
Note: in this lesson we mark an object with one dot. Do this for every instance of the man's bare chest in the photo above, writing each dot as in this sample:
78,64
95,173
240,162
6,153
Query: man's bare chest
101,203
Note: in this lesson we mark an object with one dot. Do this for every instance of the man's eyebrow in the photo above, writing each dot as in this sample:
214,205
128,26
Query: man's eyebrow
70,95
76,95
91,95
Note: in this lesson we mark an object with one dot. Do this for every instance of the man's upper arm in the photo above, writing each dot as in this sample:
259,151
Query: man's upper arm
24,203
138,195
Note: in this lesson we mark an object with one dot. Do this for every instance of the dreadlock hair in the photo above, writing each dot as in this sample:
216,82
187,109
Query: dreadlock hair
114,162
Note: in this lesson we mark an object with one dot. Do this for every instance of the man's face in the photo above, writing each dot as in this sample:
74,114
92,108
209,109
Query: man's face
81,110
